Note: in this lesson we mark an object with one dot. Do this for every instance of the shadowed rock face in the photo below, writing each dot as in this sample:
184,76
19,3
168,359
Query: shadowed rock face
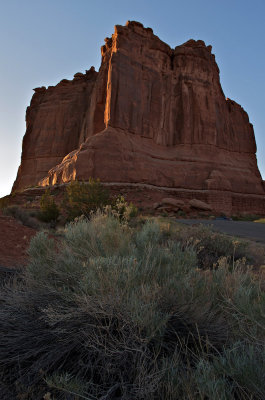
55,126
152,115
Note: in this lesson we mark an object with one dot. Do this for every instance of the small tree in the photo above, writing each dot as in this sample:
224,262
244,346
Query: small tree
49,209
82,198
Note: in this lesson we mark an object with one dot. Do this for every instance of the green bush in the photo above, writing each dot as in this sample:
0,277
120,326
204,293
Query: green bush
48,208
181,213
125,313
82,198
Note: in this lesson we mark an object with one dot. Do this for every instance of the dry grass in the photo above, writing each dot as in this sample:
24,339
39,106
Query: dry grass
260,220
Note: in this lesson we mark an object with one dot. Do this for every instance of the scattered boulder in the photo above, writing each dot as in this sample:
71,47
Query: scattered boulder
173,202
200,205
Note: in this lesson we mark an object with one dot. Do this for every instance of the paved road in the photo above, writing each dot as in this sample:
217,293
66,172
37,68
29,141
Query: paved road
248,230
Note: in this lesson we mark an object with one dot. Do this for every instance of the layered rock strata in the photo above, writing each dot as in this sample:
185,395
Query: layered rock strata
151,115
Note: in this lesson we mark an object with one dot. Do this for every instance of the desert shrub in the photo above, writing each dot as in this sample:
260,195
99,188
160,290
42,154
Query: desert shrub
237,370
260,220
181,213
82,198
211,245
7,274
119,208
245,217
49,210
22,215
117,312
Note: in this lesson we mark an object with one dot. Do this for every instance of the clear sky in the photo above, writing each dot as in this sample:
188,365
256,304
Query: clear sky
44,41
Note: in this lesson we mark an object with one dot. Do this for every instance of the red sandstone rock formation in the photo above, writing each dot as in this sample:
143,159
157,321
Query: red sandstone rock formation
151,115
55,125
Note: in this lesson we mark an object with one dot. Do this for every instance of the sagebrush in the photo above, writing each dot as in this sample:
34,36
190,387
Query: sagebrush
114,312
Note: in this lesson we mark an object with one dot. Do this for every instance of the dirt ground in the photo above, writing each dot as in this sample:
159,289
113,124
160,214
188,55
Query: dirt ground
14,242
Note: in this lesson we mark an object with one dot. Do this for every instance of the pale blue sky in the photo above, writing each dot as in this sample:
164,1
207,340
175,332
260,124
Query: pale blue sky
44,41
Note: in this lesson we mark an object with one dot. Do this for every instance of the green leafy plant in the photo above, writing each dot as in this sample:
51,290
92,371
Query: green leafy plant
82,198
49,210
181,213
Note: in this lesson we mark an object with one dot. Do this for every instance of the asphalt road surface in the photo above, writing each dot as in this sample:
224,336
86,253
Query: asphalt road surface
245,229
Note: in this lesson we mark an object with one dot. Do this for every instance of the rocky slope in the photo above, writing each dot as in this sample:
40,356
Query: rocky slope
151,115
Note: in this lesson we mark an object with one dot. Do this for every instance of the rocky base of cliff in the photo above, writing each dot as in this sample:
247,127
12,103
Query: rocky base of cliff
152,199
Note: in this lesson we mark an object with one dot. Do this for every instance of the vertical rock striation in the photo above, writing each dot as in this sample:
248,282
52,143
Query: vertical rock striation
151,115
54,126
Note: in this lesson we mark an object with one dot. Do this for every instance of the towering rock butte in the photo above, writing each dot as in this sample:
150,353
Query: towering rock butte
151,115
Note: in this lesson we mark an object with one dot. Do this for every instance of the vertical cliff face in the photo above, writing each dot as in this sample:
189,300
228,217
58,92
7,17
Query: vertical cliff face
171,96
55,126
151,115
